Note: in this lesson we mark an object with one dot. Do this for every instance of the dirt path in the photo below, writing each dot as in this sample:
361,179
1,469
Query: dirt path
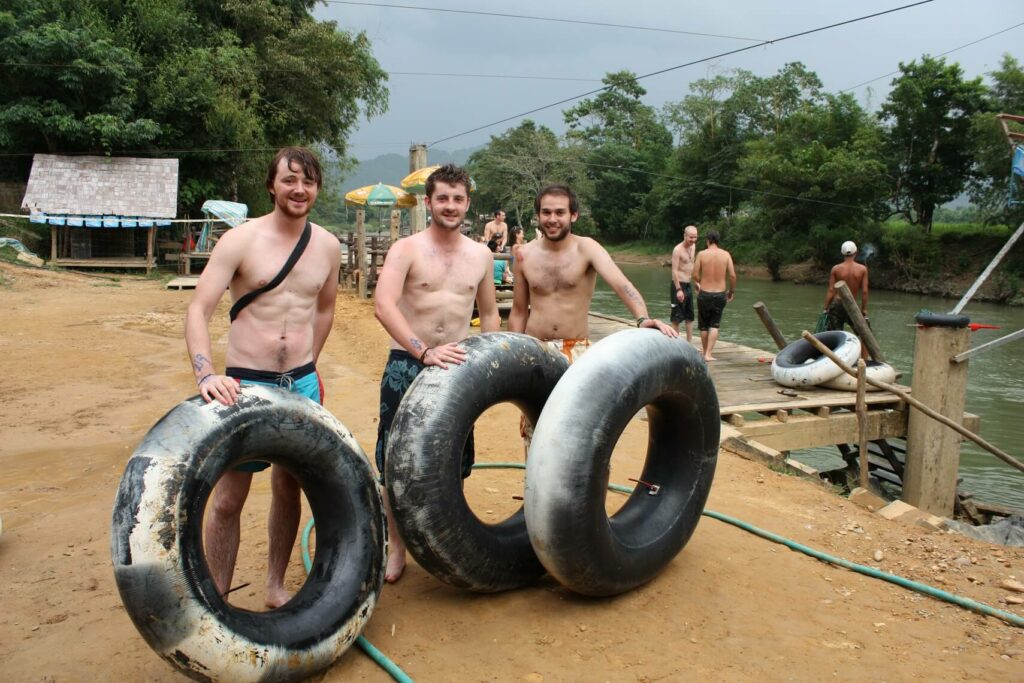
91,364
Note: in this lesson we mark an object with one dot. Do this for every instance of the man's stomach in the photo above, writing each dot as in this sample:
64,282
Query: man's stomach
278,349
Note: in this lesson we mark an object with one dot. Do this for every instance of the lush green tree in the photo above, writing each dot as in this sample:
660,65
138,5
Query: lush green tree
928,145
218,83
514,166
625,146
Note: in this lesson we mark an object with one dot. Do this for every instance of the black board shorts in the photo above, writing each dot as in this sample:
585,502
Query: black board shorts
710,306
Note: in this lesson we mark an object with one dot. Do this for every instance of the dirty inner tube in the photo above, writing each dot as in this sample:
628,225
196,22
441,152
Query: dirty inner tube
156,538
876,370
424,461
567,470
802,365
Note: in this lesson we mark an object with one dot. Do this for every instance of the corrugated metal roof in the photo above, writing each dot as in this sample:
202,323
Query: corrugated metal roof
231,213
119,186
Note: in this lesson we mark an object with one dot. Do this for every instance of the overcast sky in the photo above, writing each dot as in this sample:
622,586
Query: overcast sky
430,108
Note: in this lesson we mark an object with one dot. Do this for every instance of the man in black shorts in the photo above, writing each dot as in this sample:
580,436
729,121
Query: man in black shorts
680,290
712,270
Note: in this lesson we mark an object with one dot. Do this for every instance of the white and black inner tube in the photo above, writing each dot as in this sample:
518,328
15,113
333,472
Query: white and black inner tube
157,543
876,370
423,463
567,471
800,364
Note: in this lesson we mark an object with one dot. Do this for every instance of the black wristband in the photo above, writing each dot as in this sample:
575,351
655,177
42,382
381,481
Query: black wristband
202,379
424,354
641,320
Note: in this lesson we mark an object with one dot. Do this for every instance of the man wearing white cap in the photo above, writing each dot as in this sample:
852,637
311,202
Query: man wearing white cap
855,275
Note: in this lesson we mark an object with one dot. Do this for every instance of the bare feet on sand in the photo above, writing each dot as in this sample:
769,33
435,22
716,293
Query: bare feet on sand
277,596
396,565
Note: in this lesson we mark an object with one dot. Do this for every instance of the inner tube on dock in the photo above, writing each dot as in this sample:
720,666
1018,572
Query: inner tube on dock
881,372
568,467
802,365
157,542
423,463
930,319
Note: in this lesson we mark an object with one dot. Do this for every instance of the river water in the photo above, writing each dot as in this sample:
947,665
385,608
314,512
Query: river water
995,389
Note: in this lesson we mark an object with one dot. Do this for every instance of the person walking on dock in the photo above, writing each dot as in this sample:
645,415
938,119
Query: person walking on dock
276,336
424,299
855,275
681,291
715,277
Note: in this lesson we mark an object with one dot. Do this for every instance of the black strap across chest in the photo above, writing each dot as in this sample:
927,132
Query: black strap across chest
293,258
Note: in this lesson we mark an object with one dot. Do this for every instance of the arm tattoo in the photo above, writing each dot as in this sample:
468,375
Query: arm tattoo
416,343
632,294
200,361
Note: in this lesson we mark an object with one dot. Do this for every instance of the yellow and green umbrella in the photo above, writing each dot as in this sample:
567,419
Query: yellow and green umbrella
380,195
416,182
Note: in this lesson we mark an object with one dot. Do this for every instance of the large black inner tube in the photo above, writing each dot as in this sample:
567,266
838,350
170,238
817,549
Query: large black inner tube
424,460
157,545
568,468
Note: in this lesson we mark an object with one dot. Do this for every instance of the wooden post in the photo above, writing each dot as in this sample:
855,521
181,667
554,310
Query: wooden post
769,323
53,243
860,325
396,217
933,452
418,160
150,239
862,421
360,265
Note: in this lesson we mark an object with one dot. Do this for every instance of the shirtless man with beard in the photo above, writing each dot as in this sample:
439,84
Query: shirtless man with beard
424,299
275,338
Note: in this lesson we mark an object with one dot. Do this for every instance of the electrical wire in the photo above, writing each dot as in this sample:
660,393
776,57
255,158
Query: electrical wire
681,66
503,15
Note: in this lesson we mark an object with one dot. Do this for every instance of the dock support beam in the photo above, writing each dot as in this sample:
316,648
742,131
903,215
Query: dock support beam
933,451
361,270
418,160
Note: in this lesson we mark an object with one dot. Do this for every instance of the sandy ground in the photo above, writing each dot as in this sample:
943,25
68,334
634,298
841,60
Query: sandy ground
92,363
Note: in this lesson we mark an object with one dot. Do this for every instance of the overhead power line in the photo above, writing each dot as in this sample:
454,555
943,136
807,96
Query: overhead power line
941,54
681,66
503,15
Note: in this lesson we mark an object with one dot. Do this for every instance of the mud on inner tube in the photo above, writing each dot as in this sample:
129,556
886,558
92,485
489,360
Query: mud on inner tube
423,462
567,470
802,365
156,538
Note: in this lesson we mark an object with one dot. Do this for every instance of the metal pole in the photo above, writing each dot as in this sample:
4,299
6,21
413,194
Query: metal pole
988,271
961,357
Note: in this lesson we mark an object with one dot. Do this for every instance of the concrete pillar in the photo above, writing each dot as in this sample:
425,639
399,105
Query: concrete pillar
418,160
933,450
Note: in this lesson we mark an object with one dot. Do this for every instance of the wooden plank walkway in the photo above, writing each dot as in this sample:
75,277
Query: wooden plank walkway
743,379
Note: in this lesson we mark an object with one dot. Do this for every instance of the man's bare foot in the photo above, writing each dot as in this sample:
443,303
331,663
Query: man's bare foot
396,565
277,597
709,358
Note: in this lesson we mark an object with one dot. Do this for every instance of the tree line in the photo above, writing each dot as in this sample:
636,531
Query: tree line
220,84
778,162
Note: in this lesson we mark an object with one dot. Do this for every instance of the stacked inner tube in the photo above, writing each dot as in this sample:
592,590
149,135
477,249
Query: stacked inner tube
579,415
800,364
157,545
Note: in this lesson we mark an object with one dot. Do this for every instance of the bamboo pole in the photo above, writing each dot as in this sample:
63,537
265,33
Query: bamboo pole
769,323
910,400
862,420
860,325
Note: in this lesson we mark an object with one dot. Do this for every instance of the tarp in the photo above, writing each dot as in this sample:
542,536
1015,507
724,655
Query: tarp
232,213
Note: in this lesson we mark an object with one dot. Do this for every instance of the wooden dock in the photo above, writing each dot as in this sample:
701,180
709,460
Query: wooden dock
765,420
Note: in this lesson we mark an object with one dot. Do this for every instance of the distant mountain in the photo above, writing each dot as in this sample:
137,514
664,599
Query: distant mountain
391,168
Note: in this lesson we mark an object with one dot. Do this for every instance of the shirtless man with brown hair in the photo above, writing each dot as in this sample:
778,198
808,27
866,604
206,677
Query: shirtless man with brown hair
681,303
855,275
713,271
555,278
497,230
424,299
274,338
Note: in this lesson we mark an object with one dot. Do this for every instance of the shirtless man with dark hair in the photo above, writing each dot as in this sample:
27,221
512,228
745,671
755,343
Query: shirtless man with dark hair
713,271
855,275
275,338
497,230
424,299
555,279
